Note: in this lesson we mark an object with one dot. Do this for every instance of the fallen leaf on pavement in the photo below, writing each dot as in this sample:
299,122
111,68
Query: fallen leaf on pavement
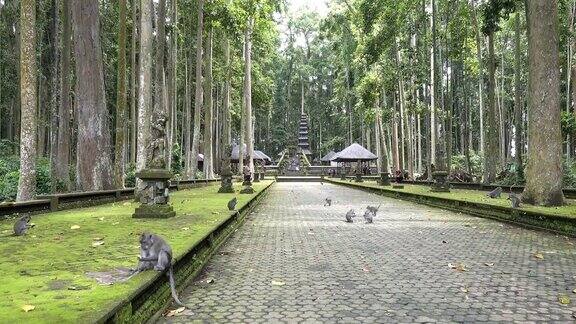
489,264
538,255
564,300
175,311
278,283
211,280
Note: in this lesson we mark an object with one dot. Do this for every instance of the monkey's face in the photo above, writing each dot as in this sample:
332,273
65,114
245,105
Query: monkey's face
26,218
146,241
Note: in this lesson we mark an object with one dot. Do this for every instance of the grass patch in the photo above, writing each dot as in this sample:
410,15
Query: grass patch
47,268
475,196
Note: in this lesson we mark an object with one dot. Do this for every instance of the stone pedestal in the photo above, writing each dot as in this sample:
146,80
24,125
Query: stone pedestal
256,176
384,179
226,184
358,176
247,184
154,197
440,182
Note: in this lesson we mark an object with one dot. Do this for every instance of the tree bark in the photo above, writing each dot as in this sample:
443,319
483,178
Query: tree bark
433,86
93,148
198,103
248,94
227,131
187,117
144,83
544,168
56,96
133,84
27,180
491,128
517,100
62,170
208,111
480,76
119,157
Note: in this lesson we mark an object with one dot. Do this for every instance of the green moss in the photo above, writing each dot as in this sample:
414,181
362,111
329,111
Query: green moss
476,196
38,269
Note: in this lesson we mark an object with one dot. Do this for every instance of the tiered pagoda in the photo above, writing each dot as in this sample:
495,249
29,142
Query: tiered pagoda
303,141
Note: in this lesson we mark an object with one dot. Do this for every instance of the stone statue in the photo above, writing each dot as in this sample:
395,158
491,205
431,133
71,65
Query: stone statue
157,147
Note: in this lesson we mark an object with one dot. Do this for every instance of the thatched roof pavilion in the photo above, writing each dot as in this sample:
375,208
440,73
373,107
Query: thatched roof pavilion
328,157
258,155
354,153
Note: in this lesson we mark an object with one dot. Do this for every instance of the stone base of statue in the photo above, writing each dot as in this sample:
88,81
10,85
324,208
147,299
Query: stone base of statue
256,177
247,189
154,197
226,184
440,182
358,177
384,179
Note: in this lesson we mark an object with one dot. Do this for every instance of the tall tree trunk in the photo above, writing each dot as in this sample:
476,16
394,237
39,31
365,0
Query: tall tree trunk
27,181
94,161
187,117
119,157
480,76
433,85
144,83
56,95
544,168
62,171
173,81
517,100
198,98
227,129
159,74
491,127
248,94
133,84
208,111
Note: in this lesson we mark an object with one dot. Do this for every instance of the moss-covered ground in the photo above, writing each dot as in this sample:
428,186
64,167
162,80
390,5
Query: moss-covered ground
47,268
477,196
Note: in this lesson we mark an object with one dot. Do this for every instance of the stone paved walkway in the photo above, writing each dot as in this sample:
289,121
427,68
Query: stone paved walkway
295,260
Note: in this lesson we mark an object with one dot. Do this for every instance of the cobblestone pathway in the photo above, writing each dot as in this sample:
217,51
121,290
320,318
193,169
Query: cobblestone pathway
295,260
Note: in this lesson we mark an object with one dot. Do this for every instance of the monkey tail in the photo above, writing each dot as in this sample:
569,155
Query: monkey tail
173,287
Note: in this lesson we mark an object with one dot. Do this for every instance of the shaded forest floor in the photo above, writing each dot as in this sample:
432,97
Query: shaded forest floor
477,196
48,267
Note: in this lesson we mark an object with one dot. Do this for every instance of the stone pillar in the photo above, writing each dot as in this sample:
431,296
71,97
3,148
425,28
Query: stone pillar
384,179
359,171
247,184
440,182
226,172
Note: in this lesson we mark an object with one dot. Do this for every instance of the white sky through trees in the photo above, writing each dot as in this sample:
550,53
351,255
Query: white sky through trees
319,7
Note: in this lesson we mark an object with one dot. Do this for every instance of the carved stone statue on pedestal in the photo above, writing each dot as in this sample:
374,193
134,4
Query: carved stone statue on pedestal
154,196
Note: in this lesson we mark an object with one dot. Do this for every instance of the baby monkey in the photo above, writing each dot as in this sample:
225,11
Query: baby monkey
21,226
515,200
495,193
349,215
156,254
328,202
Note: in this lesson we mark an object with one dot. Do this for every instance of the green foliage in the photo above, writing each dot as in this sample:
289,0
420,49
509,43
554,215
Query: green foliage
130,176
459,163
177,164
569,179
568,122
494,11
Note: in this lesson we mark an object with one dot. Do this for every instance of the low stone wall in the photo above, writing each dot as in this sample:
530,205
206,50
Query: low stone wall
554,223
152,298
49,203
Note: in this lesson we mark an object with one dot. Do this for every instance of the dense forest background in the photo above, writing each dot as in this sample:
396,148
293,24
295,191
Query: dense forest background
481,89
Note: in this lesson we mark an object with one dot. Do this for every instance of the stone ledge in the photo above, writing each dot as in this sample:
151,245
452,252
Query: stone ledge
149,301
552,223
